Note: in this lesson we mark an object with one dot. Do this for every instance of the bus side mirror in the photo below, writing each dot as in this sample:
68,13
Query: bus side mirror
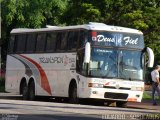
151,57
87,55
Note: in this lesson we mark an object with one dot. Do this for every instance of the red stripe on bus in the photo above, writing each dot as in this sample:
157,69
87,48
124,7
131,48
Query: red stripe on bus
44,79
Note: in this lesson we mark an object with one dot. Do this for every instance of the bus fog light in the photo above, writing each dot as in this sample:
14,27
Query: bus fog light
94,92
138,96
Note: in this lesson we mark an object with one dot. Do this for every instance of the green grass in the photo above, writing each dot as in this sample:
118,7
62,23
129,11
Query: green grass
147,97
2,85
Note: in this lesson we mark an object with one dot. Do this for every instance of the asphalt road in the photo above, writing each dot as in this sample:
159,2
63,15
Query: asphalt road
34,110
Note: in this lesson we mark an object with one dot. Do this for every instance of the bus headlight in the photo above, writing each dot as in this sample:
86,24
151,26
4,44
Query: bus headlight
137,88
95,85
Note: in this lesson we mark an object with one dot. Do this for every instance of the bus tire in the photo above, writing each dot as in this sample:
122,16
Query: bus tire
73,98
31,91
121,104
25,91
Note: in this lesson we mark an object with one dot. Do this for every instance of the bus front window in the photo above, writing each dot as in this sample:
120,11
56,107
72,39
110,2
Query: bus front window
130,65
103,63
110,63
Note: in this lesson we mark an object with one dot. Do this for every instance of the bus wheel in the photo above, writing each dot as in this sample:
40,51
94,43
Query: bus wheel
121,104
73,98
31,91
25,91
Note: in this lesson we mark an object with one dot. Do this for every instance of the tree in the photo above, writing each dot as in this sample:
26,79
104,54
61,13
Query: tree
28,14
142,15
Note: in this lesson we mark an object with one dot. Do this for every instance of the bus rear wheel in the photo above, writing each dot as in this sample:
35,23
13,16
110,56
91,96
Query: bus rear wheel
25,91
31,91
73,98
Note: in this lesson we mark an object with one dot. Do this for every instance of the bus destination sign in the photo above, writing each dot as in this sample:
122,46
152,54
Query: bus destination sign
118,39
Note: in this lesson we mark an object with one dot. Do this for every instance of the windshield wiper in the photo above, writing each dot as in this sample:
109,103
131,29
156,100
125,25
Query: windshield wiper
124,78
131,79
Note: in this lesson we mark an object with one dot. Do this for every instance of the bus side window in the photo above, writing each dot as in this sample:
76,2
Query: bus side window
80,62
58,41
83,38
11,44
72,40
31,43
64,41
61,41
51,41
20,43
41,40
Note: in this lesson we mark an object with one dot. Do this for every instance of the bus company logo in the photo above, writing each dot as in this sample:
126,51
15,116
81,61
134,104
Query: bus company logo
65,60
57,60
94,36
106,83
117,86
51,60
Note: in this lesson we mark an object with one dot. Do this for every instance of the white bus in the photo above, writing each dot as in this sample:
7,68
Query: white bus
93,61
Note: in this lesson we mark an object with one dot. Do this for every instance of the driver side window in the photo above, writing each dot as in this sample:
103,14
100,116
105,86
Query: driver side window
81,66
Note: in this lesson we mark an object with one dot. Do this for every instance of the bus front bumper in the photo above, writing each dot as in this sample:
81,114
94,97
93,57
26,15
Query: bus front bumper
112,94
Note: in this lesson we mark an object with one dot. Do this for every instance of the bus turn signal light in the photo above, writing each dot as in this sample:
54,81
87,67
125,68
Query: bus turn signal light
95,85
132,99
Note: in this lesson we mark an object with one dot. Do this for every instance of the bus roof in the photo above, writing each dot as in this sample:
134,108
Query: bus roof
90,26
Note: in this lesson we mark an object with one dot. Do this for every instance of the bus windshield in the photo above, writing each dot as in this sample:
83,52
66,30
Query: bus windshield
112,63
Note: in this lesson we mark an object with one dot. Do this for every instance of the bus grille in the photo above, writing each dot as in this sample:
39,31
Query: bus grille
124,88
113,87
116,95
